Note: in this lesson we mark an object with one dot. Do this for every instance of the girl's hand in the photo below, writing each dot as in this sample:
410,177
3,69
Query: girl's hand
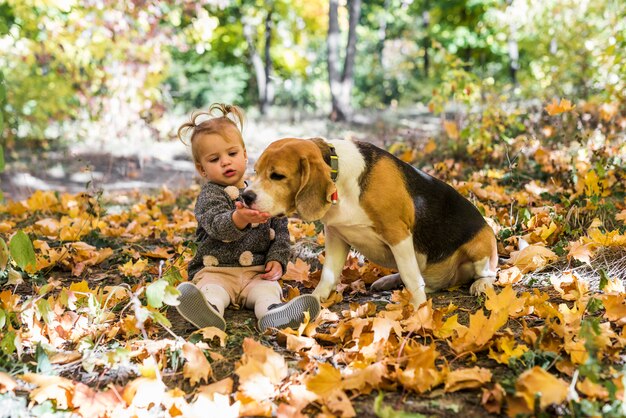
244,216
273,271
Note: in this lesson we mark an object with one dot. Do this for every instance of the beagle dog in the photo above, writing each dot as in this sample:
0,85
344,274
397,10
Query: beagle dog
394,214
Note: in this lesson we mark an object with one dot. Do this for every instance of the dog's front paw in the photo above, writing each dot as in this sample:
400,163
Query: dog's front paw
418,298
392,281
321,292
481,285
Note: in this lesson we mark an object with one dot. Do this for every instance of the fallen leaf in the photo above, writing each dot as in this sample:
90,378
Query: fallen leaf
260,371
467,379
54,388
7,383
93,403
197,366
538,382
298,271
556,108
532,258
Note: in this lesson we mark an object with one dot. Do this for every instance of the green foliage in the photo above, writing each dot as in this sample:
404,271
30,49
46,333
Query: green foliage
199,82
160,292
173,53
22,251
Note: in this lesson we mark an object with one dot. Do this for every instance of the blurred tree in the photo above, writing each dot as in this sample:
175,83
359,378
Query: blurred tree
341,83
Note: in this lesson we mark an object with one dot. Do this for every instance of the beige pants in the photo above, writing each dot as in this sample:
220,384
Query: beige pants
241,286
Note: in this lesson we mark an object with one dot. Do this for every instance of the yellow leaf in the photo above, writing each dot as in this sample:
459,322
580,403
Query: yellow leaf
92,403
581,252
467,379
615,306
298,272
556,108
506,300
197,367
261,371
532,258
359,376
508,350
54,388
451,129
537,381
382,328
210,333
131,269
509,276
430,147
326,381
592,390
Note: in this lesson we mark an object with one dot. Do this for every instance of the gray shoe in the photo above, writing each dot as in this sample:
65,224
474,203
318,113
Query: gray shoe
290,314
196,309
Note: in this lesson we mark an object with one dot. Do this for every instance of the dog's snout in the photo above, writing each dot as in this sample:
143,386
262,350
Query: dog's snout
249,197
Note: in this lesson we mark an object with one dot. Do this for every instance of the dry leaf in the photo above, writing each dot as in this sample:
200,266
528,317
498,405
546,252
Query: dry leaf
261,371
197,366
91,403
467,379
298,272
326,381
7,383
532,258
54,388
556,108
538,382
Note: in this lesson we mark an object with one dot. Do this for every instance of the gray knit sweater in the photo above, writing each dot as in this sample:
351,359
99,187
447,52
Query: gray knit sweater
222,244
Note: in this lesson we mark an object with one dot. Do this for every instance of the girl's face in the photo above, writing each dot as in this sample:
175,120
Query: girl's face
220,161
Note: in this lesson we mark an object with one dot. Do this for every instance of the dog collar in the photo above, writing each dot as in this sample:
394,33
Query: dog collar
334,171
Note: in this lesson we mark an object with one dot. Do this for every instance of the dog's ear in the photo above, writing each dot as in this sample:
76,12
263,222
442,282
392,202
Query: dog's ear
314,196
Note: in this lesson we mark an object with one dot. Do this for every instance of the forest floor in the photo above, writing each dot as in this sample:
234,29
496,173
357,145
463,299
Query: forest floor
123,171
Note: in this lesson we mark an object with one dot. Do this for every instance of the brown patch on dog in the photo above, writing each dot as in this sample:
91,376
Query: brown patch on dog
459,269
483,245
307,186
387,201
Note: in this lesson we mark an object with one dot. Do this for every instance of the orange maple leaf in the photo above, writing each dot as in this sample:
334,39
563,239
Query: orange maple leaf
55,388
131,269
467,379
532,258
506,300
326,381
261,371
537,381
298,272
556,108
91,403
479,332
197,367
615,306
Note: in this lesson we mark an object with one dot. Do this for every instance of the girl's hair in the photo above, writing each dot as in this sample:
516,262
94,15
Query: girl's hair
221,125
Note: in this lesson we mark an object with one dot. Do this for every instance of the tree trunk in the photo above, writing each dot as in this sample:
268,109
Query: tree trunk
262,67
513,50
341,85
268,96
426,44
382,32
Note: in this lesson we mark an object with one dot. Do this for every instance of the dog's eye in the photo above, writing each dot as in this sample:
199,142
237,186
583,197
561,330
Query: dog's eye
276,176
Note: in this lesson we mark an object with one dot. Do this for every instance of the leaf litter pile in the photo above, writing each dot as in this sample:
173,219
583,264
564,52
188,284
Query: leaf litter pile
89,281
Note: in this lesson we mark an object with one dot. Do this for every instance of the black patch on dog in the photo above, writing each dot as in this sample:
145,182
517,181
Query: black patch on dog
444,219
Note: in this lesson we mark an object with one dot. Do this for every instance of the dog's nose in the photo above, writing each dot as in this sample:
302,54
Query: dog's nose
249,197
